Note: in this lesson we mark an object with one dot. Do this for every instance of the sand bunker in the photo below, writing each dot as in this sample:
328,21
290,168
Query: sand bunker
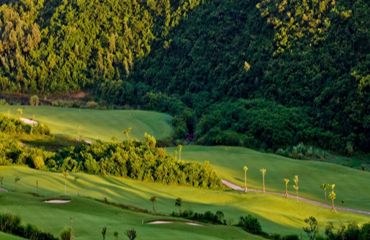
29,121
57,201
171,222
160,222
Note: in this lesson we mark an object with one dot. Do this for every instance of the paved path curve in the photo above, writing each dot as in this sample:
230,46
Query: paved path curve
313,202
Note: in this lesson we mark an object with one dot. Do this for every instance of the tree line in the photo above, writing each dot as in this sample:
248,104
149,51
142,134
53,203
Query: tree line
307,60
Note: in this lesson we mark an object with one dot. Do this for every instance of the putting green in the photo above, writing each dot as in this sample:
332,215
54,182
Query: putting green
96,124
277,215
352,186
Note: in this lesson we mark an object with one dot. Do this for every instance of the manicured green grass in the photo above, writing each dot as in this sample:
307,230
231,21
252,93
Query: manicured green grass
97,124
352,186
4,236
277,215
88,217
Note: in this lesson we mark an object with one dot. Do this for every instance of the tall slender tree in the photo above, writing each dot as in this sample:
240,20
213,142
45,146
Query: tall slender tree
179,149
286,182
332,196
324,187
296,185
263,171
153,199
104,232
65,175
245,168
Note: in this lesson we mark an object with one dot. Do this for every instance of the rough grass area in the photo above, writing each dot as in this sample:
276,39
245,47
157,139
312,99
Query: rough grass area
96,124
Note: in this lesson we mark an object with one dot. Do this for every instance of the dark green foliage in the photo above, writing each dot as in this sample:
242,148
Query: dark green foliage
207,217
66,234
208,52
312,228
131,234
34,100
14,126
349,232
258,123
290,237
12,224
185,56
302,151
56,46
142,161
136,160
365,232
250,224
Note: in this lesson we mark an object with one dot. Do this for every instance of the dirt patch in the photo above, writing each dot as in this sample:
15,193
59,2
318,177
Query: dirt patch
57,201
3,190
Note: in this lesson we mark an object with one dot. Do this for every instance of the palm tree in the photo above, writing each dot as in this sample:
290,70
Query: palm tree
127,132
296,185
179,147
245,168
20,112
116,234
263,171
332,196
65,175
131,234
104,232
324,187
286,181
153,199
178,203
66,234
16,180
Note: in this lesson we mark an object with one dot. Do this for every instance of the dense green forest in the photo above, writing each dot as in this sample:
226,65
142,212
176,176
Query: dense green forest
258,73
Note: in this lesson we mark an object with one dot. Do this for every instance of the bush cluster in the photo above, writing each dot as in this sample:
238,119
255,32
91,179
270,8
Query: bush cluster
207,217
14,126
137,160
12,224
302,151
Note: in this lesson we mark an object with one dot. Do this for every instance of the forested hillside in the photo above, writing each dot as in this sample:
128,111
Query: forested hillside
256,73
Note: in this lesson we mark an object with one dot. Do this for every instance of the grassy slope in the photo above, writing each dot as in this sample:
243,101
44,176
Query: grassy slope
4,236
88,217
352,186
276,213
97,124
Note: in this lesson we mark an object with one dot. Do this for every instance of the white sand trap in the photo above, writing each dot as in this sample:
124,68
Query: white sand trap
169,222
57,201
29,121
193,224
160,222
3,190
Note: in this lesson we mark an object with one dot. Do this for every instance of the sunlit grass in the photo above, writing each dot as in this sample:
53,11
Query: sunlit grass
96,124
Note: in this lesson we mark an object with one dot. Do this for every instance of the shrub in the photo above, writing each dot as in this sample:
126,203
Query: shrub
92,104
250,224
66,234
290,237
3,102
131,234
34,100
365,232
12,224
